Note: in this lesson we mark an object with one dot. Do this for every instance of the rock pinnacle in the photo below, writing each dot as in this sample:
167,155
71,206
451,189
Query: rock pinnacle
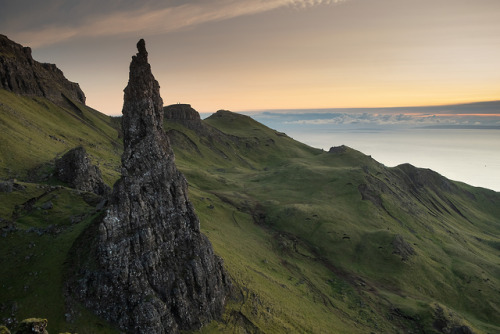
154,271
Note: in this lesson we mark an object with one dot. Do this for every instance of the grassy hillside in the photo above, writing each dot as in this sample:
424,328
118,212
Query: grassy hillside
343,221
315,242
34,254
40,218
34,131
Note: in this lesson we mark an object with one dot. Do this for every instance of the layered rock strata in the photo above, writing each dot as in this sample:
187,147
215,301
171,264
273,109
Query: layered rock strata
154,272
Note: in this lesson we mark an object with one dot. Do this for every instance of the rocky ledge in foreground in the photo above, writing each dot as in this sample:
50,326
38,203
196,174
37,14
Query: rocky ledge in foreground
148,268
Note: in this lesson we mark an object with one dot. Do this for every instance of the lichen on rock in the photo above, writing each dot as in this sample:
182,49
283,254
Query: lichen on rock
150,270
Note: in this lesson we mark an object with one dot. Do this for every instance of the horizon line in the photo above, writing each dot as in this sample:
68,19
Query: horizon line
326,109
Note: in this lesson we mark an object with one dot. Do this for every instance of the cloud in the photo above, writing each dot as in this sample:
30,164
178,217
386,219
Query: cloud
154,18
364,120
479,115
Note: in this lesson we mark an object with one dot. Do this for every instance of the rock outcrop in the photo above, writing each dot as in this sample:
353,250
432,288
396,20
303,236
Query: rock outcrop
338,149
402,248
150,270
183,114
181,111
20,74
32,326
75,168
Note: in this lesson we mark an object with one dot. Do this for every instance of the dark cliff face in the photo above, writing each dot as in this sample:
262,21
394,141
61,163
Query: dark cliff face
20,74
181,112
154,272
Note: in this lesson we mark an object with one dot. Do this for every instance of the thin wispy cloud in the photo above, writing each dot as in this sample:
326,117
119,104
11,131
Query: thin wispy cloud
375,119
371,119
154,18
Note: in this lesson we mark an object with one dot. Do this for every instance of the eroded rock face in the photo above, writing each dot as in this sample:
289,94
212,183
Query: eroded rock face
154,270
20,74
75,168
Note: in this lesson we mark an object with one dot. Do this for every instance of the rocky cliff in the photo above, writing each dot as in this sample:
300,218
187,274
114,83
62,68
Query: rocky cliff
183,114
20,74
150,270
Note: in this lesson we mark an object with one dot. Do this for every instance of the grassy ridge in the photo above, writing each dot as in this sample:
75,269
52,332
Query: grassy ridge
314,242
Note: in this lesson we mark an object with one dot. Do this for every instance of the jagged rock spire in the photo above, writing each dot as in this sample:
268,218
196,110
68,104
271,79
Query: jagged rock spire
156,273
143,106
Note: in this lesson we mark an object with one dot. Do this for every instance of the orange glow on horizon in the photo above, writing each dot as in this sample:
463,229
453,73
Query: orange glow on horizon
450,115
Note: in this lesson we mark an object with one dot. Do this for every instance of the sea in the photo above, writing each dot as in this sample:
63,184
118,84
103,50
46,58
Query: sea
461,148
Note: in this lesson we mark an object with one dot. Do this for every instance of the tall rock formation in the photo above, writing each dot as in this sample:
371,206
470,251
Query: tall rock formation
20,74
151,270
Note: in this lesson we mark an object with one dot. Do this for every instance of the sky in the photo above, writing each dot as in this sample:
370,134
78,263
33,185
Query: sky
245,55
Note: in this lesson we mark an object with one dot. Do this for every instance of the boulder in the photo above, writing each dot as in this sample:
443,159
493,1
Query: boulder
75,169
32,325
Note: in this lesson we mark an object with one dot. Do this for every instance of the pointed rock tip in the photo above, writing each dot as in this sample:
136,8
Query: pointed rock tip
141,47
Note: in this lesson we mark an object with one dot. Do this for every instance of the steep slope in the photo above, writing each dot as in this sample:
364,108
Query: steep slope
43,115
40,215
35,131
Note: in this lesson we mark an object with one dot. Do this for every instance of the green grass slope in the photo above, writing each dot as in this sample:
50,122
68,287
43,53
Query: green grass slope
405,243
34,131
314,242
35,242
